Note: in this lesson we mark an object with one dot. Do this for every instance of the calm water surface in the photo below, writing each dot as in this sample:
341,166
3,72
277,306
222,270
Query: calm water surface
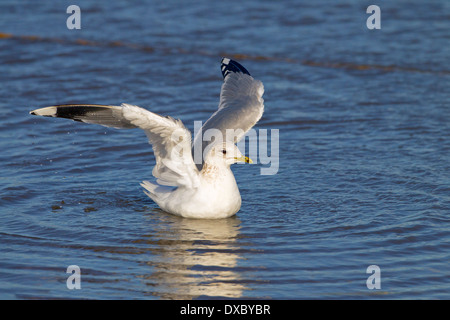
364,176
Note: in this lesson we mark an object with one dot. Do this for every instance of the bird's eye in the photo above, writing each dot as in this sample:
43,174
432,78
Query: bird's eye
224,151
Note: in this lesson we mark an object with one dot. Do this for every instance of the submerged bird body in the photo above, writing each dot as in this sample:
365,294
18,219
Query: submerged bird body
205,190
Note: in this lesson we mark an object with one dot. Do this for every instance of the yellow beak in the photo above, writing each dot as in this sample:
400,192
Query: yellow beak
244,159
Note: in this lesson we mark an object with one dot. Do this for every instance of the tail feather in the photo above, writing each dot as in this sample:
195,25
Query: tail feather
155,191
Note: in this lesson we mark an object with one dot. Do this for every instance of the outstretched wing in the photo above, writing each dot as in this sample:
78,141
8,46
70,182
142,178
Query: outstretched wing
240,108
170,140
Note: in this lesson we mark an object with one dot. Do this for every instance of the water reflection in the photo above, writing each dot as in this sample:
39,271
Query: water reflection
193,258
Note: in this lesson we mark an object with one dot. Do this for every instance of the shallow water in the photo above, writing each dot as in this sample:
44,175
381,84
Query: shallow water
364,126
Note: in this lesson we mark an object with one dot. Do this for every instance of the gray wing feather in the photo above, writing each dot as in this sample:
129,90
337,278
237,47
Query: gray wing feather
170,140
240,108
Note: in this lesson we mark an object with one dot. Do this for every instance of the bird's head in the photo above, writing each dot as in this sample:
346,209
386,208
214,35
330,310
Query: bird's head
224,154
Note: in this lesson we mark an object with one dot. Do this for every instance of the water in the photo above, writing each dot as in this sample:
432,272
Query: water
364,151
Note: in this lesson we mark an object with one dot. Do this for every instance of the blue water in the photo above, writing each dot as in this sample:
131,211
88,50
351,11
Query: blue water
364,176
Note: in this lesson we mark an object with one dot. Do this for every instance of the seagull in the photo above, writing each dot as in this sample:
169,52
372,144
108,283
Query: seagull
205,189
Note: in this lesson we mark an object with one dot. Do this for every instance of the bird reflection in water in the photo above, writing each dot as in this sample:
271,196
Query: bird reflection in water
194,258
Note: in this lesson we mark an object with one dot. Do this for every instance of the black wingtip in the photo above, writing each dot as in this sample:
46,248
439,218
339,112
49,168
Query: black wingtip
229,65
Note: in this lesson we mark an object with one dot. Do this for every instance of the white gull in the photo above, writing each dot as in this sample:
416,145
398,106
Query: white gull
207,189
